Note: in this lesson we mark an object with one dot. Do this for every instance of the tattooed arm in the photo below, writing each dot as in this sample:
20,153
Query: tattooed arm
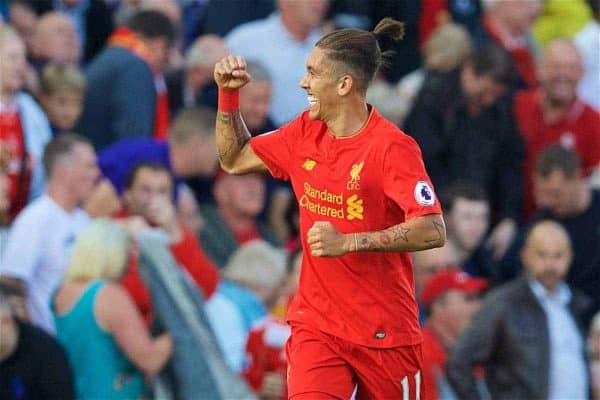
419,233
232,135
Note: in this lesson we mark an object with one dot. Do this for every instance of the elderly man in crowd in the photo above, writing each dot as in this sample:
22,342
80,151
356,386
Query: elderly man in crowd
528,334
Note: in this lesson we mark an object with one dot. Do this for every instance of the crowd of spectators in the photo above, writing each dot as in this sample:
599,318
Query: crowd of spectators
132,266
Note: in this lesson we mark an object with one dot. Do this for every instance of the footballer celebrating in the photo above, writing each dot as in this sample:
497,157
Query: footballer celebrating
365,202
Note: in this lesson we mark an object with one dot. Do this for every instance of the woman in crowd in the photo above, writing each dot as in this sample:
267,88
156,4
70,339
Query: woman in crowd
109,347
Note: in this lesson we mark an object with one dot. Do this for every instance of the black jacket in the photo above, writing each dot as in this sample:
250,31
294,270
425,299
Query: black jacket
486,150
510,337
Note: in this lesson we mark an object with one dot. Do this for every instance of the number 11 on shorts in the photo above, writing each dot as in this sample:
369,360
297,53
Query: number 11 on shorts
405,387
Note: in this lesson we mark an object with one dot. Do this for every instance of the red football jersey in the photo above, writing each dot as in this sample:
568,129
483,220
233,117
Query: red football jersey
367,182
20,167
265,351
579,130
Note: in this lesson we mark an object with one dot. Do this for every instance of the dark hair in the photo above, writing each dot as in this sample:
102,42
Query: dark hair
151,25
556,157
493,61
62,145
358,52
151,165
463,190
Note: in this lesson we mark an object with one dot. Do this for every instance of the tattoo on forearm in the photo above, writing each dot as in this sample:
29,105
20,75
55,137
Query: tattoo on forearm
241,134
232,134
224,118
400,233
439,228
366,243
396,237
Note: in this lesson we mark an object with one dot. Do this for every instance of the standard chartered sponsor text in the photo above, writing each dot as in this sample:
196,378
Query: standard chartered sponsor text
323,196
313,199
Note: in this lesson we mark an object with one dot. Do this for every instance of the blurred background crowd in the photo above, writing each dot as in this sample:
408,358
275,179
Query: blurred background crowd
131,266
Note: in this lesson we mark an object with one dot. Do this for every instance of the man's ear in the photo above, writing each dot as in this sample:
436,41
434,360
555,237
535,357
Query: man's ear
345,85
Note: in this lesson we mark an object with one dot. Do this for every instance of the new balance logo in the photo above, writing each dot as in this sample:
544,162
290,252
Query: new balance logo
309,164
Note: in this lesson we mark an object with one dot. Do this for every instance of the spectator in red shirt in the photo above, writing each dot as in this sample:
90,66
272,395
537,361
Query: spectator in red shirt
509,23
24,128
452,298
4,197
554,114
148,195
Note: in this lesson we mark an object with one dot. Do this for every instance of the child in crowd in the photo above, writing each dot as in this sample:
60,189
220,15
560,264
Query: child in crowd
61,96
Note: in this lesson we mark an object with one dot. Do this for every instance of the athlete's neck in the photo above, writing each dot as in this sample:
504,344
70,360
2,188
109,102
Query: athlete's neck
350,119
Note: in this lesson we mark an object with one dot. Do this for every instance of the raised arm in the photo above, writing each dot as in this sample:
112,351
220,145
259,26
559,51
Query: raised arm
232,135
419,233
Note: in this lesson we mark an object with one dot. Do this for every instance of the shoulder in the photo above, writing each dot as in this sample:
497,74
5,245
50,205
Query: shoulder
38,341
115,58
505,295
525,99
391,137
590,115
111,296
36,212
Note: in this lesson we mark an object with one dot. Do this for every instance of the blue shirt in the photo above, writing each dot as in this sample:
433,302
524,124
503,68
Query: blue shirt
118,160
268,42
568,373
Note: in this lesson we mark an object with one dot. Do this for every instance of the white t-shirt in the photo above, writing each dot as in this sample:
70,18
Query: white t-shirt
37,252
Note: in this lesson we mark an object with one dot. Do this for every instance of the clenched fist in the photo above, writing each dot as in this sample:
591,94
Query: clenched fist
325,241
230,73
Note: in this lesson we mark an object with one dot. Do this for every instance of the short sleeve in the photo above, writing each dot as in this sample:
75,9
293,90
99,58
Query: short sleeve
275,148
405,180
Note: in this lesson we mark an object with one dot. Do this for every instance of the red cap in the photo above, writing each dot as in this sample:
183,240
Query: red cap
447,280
